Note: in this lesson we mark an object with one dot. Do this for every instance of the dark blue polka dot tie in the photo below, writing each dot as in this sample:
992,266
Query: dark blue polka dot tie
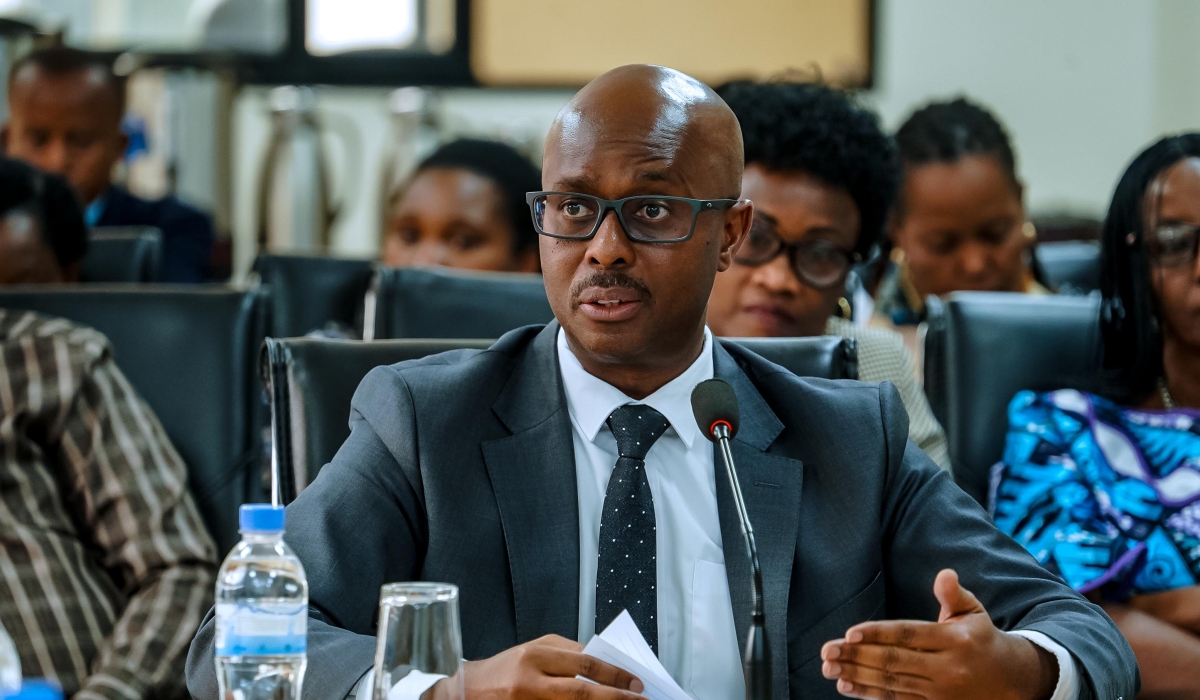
627,574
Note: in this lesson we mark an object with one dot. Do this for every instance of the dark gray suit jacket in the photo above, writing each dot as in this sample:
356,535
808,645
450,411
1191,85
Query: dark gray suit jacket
460,468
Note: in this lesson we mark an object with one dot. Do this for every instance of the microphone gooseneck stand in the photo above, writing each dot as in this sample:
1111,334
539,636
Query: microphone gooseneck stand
756,666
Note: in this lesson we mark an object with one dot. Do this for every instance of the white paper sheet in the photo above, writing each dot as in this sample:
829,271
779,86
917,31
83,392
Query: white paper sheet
622,645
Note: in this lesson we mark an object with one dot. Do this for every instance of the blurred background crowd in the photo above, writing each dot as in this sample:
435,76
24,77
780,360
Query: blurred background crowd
996,206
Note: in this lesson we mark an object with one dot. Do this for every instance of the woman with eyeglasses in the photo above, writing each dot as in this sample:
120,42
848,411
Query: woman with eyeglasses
959,219
821,174
1105,491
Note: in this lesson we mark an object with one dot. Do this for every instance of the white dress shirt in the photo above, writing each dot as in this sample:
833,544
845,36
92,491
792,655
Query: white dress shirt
697,638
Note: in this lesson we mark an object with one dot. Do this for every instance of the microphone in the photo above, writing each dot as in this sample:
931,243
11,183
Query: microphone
716,409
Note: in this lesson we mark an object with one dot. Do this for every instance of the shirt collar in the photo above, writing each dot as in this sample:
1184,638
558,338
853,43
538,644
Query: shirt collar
591,400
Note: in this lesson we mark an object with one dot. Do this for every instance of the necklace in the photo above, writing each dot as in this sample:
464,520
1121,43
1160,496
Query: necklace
1165,395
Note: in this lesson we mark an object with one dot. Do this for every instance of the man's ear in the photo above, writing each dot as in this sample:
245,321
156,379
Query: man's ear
121,144
737,225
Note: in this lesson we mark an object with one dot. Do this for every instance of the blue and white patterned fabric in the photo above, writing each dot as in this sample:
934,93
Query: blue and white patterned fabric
1106,497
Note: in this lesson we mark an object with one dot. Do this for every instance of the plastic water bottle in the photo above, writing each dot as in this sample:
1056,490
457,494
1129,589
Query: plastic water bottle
36,689
10,665
262,612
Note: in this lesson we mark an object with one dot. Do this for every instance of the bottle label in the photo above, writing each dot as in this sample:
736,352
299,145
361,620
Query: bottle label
261,629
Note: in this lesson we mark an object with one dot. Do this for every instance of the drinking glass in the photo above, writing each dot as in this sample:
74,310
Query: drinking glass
419,641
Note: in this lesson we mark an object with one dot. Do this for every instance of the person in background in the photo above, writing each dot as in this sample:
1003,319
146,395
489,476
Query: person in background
42,234
105,566
821,174
1105,491
959,221
65,112
464,207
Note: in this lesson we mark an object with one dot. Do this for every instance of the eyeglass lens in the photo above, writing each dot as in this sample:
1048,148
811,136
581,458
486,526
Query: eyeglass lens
819,264
644,218
1172,246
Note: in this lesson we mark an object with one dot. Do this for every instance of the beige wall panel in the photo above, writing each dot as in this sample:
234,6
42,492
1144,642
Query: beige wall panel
569,42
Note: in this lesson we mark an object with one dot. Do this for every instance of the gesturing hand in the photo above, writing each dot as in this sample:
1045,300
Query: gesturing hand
961,656
543,669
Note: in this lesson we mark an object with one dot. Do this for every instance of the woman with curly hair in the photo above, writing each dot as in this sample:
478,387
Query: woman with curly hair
821,174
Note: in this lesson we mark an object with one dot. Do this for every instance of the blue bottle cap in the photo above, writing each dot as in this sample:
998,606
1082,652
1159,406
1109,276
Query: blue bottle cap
37,689
260,517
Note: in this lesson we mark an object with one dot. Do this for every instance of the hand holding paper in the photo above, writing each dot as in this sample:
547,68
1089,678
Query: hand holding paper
548,667
622,645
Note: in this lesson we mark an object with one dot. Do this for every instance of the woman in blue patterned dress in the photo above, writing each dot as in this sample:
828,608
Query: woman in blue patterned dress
1105,491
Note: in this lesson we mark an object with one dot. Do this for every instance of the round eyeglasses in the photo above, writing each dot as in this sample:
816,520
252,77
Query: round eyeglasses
647,219
818,264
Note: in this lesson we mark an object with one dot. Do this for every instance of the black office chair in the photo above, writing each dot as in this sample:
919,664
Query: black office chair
190,352
825,356
307,293
122,254
993,345
1071,267
312,381
424,303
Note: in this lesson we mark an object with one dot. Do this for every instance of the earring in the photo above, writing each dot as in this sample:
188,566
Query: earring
1030,231
844,307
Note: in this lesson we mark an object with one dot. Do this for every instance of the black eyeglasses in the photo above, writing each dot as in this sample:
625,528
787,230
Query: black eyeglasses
1173,245
819,264
647,219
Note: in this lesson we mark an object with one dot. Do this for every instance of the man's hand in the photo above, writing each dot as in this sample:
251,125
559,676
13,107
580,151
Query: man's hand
959,657
545,669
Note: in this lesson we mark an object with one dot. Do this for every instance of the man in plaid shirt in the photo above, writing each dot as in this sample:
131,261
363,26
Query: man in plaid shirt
105,566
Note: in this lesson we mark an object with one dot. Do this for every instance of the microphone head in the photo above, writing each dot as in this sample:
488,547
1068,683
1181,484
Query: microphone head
713,403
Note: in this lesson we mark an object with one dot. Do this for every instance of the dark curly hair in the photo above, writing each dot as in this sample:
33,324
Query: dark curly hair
825,133
943,132
51,202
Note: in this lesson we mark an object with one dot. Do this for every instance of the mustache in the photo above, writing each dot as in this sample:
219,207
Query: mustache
605,280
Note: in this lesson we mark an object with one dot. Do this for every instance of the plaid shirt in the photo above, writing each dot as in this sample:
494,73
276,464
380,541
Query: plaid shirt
105,567
883,357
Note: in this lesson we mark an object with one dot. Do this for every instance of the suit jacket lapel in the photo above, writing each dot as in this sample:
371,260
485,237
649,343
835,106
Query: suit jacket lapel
771,486
533,476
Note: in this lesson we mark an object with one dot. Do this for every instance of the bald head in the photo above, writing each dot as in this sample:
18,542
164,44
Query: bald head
665,119
633,309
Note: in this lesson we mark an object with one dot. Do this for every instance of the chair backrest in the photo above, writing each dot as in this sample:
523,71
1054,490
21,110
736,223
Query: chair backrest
1071,266
312,381
122,254
423,303
825,356
190,352
994,345
306,293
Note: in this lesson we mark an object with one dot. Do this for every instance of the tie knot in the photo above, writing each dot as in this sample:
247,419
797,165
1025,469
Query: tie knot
636,427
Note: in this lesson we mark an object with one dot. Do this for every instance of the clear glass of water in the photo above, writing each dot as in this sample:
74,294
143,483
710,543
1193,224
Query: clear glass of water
419,641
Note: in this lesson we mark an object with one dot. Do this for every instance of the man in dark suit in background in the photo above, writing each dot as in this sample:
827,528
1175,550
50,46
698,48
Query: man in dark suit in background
65,112
508,472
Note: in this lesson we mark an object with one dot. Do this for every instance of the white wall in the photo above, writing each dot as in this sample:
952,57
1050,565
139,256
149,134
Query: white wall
1081,84
519,117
